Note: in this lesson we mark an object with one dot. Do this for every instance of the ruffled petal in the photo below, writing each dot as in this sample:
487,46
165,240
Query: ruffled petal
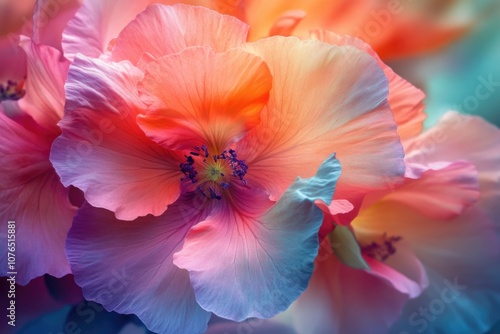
46,74
163,30
406,101
403,270
341,299
324,99
127,266
50,19
103,152
461,255
464,137
443,192
107,19
32,196
205,97
252,259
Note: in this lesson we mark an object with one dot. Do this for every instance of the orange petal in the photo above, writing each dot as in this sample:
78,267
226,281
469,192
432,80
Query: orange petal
406,101
204,97
324,99
163,30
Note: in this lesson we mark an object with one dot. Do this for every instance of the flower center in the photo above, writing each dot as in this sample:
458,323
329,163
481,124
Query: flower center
382,249
12,90
213,174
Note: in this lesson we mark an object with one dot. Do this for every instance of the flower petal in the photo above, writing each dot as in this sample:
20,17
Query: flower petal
252,259
406,101
464,137
127,266
441,193
403,270
32,196
103,152
324,99
163,30
47,70
206,97
107,19
50,19
341,299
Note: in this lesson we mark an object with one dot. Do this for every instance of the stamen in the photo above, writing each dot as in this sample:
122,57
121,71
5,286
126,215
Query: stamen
12,91
211,176
381,250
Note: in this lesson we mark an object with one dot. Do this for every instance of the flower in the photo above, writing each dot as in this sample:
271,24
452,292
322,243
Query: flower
432,244
394,28
31,194
187,143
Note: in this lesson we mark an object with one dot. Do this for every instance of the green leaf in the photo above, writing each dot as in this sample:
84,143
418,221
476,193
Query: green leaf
346,248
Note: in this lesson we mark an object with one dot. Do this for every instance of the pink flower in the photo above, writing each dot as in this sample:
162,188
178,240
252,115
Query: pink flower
431,245
31,193
193,140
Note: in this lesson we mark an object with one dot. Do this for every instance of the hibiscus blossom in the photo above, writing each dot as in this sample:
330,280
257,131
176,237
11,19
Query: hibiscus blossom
187,143
431,245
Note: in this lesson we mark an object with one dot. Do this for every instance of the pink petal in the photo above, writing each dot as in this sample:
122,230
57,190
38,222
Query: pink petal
403,270
32,196
406,101
324,99
250,258
103,152
107,19
463,137
205,97
50,19
331,215
127,266
341,299
46,74
441,193
163,30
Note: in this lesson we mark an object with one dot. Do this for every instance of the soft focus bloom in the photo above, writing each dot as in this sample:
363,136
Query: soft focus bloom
13,14
32,100
394,28
193,140
432,244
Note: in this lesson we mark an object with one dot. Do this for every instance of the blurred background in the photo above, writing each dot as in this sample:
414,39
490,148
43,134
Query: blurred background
451,75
